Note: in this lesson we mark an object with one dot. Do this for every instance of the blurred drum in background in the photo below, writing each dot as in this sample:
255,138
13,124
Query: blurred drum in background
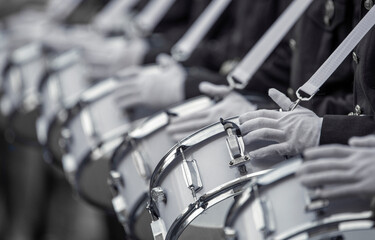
206,169
136,158
94,129
20,100
276,206
60,90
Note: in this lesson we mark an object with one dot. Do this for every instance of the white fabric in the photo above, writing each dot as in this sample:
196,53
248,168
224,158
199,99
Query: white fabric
186,45
292,131
338,56
232,105
269,41
155,86
337,171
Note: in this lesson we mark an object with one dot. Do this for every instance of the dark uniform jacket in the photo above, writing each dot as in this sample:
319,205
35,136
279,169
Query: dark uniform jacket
240,28
320,30
339,128
173,26
316,35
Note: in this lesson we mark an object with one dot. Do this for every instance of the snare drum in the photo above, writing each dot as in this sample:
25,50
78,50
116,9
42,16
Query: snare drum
94,129
20,100
206,169
277,206
138,155
59,90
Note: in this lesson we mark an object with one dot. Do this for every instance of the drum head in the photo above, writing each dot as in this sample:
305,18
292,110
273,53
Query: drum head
92,183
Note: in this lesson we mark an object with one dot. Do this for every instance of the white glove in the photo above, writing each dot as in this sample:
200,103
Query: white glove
232,105
108,56
156,86
339,171
293,131
367,141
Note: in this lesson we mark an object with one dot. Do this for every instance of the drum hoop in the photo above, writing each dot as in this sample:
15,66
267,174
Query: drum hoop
333,220
188,142
280,171
275,175
65,61
139,132
208,200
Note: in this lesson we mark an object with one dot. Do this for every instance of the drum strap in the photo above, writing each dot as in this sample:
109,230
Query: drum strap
182,50
244,71
311,87
152,14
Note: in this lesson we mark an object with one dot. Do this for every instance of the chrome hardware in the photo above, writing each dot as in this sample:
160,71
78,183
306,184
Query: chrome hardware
97,154
262,210
66,134
87,123
120,207
62,116
158,229
235,146
191,175
70,167
116,178
158,195
313,204
230,233
357,111
142,168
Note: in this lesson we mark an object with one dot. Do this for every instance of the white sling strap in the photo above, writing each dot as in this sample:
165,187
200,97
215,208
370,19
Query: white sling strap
245,70
186,45
151,15
311,87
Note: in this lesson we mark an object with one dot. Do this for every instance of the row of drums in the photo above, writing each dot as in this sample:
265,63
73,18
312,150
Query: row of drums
202,187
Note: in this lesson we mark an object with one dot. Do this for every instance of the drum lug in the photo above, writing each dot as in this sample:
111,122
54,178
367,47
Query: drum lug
158,229
236,146
87,123
140,165
120,207
315,205
264,221
65,139
191,175
230,233
70,167
158,195
115,179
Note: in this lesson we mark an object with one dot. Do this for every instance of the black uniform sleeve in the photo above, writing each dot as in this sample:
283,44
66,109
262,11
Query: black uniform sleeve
196,75
339,128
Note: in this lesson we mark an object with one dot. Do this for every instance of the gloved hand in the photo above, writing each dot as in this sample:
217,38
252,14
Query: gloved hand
232,105
293,131
367,141
107,56
339,171
156,86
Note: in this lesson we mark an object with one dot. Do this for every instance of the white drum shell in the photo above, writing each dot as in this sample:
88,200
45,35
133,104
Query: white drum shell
287,200
152,149
61,91
213,163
